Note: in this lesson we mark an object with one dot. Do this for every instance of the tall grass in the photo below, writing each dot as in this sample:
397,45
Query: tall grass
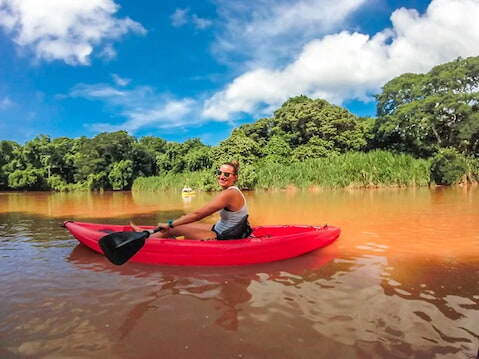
472,170
354,169
201,180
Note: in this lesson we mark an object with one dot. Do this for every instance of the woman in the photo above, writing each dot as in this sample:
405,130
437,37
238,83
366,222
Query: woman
230,202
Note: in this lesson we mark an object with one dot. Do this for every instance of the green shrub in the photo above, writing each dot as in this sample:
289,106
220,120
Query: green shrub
28,179
95,181
56,183
121,174
248,177
448,166
472,173
355,169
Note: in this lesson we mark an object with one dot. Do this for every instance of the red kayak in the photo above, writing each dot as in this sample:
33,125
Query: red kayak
266,244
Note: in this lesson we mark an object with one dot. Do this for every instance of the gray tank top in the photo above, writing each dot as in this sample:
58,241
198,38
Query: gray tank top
229,219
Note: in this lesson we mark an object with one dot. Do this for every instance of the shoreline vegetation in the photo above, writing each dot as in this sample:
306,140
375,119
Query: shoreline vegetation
426,132
349,170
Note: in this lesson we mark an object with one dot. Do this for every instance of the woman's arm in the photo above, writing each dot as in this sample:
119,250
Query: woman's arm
220,201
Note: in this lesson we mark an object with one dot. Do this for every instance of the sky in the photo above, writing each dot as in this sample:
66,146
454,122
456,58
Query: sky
198,69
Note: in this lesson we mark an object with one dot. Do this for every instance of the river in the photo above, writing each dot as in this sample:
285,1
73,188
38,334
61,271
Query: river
402,281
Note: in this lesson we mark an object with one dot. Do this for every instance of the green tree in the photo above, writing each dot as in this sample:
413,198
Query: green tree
144,163
8,149
302,118
153,145
237,147
147,153
56,183
96,181
448,166
176,159
172,160
28,179
85,159
259,131
422,113
277,150
37,152
198,158
113,147
92,156
121,175
315,148
59,164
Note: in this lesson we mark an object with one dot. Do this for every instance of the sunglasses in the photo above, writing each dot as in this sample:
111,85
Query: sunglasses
226,174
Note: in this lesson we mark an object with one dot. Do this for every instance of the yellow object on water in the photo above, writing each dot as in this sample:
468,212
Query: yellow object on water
187,191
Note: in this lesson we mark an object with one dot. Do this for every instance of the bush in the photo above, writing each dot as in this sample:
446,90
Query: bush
29,179
472,173
121,174
207,181
355,169
448,166
247,177
95,182
56,183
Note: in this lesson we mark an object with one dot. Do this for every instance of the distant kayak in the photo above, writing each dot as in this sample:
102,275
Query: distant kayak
187,191
266,244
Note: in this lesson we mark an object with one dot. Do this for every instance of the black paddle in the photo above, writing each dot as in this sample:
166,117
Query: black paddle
119,247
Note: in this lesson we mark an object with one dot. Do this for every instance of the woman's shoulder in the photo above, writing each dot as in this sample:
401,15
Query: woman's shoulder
235,198
231,192
227,193
236,193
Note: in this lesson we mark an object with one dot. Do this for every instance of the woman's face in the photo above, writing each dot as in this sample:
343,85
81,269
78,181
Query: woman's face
226,176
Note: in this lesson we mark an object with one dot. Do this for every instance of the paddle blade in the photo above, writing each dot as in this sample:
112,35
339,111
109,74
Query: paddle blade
119,247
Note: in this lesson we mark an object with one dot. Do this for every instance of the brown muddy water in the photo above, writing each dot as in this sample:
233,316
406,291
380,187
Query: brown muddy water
402,281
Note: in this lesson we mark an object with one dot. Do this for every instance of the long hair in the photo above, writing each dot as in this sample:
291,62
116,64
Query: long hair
234,164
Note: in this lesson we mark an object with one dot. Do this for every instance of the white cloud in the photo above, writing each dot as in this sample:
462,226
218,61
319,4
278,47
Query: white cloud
99,91
182,17
201,23
66,30
268,31
167,115
5,103
348,65
119,80
141,106
179,17
108,52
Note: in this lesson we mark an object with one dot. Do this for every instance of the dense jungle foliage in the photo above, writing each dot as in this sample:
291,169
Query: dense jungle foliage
426,131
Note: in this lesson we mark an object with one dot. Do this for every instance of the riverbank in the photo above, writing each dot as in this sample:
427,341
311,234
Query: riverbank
350,170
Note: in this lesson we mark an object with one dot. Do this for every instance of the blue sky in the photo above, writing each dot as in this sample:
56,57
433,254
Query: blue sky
183,69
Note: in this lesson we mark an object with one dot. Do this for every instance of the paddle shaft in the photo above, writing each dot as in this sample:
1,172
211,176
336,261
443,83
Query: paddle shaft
157,229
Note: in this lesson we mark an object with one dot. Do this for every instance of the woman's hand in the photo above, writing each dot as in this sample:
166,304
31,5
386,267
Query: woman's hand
163,226
135,227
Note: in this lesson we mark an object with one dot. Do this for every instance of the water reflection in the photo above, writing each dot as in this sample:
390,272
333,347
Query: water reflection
88,204
227,287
